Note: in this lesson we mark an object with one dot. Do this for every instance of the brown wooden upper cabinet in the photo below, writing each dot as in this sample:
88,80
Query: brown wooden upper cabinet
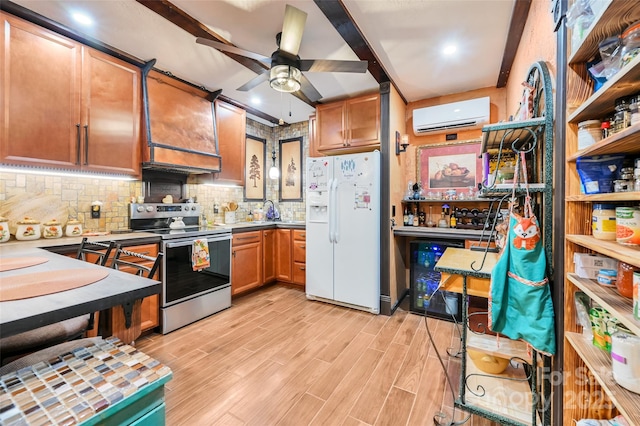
350,125
181,133
232,127
66,105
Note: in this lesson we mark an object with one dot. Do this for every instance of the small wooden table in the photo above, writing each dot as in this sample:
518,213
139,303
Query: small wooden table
118,288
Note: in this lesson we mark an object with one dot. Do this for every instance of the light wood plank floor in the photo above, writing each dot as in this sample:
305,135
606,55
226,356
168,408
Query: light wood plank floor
275,358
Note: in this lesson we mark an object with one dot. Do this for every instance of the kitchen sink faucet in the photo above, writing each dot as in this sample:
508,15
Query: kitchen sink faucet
272,212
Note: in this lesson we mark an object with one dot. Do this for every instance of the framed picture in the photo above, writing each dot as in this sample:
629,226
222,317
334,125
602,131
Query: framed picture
291,169
254,168
448,166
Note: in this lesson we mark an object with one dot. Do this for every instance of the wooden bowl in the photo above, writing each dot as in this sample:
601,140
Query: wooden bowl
488,363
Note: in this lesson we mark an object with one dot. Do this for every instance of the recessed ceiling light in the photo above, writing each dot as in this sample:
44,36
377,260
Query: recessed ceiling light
82,19
255,100
449,49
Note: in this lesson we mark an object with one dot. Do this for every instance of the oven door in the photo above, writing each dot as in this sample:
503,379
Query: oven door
180,282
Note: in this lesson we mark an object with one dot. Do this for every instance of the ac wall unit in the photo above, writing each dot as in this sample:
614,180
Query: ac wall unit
456,115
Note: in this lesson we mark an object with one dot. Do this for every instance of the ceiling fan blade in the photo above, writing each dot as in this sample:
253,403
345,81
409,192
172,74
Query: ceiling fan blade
308,90
254,82
233,49
327,65
292,29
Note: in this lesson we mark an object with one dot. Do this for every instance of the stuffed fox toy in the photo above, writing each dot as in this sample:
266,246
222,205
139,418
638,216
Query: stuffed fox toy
527,233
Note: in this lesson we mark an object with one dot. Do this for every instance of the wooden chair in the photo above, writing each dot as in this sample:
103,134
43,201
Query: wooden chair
139,268
16,346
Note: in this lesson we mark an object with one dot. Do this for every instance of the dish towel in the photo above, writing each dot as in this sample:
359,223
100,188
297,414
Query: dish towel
200,254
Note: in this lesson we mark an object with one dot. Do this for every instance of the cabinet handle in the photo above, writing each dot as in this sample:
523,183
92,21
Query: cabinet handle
86,144
78,144
302,268
233,253
245,238
302,247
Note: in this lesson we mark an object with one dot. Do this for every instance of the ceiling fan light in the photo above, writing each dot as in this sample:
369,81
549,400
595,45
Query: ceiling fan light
285,78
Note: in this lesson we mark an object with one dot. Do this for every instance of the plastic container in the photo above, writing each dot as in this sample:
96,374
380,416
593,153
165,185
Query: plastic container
603,222
589,132
628,225
4,230
622,116
607,277
625,362
624,281
630,43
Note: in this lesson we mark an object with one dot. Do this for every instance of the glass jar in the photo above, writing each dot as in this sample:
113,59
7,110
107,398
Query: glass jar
622,117
624,280
603,222
589,132
630,43
634,110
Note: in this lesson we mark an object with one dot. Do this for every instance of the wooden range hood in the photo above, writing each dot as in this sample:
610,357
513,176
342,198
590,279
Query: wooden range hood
180,124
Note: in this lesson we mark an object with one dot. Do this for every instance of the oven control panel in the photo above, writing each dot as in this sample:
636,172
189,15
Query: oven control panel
162,210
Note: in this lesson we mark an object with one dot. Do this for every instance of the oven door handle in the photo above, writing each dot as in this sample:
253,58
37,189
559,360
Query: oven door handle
190,242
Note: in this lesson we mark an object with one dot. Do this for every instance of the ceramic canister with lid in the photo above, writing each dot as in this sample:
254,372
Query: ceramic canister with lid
74,228
4,230
28,229
52,229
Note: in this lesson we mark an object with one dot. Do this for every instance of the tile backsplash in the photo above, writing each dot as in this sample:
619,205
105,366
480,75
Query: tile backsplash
50,196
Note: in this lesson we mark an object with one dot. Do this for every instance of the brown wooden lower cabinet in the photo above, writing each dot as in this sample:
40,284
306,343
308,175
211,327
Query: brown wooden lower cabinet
246,261
299,256
269,258
145,313
283,255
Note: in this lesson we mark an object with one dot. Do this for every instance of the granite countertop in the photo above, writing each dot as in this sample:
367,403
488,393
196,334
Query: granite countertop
143,237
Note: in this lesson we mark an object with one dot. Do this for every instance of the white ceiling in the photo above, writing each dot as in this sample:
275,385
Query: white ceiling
406,35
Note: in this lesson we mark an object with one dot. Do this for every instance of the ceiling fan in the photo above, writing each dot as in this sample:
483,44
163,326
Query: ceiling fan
285,74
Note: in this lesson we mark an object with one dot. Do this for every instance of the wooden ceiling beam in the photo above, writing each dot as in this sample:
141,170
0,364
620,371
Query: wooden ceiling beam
516,28
343,22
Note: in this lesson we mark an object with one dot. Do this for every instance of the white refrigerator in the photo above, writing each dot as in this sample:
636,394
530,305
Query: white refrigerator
343,230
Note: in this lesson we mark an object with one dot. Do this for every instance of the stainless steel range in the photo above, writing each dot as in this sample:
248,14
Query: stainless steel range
187,294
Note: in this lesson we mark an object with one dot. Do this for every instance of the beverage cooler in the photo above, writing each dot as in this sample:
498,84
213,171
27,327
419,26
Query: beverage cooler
424,281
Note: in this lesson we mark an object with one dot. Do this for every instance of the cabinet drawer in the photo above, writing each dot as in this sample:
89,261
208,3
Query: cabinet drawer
299,235
299,273
300,251
246,238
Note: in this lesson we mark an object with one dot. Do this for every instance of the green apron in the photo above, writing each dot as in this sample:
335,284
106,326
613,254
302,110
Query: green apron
520,305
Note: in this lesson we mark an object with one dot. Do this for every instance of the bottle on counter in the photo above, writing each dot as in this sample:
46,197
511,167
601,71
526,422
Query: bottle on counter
453,222
405,218
410,218
416,220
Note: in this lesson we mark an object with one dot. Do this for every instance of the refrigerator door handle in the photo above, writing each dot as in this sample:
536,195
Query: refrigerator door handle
333,212
336,224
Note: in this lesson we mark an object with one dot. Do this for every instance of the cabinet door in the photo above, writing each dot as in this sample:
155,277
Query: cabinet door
269,259
330,126
231,122
363,120
40,86
299,256
284,255
111,114
246,262
150,309
313,137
